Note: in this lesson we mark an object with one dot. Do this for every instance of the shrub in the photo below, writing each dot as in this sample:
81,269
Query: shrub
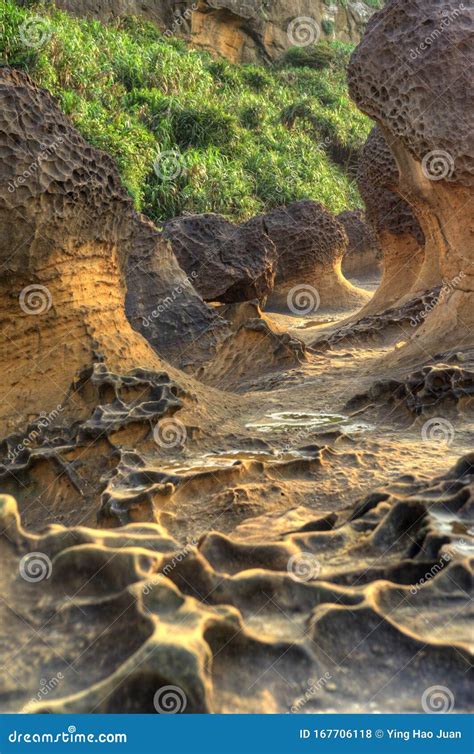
318,56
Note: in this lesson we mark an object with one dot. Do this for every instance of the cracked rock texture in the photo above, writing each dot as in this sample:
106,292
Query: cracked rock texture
425,106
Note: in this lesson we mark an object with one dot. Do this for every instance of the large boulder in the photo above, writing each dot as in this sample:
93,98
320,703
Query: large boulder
163,304
310,244
412,73
228,263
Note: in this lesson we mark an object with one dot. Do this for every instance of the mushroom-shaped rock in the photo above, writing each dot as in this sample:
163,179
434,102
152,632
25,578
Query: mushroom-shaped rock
66,228
310,244
227,263
363,257
398,231
412,73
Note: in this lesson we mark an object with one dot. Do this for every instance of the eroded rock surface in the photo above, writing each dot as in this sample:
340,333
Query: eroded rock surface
425,107
259,623
310,245
163,304
363,257
243,32
398,231
67,228
229,263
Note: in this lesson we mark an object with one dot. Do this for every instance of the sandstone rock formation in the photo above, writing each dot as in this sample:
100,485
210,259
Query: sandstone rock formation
66,229
310,245
363,257
243,31
70,594
258,31
227,263
163,305
398,231
254,347
425,106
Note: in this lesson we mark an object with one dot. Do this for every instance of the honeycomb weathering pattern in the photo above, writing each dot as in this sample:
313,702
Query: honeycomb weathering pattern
424,97
310,244
305,233
193,618
69,230
56,190
378,180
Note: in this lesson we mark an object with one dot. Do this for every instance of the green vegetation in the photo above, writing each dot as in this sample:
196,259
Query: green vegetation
191,133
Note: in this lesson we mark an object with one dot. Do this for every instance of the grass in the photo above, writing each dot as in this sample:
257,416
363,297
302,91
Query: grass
190,133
